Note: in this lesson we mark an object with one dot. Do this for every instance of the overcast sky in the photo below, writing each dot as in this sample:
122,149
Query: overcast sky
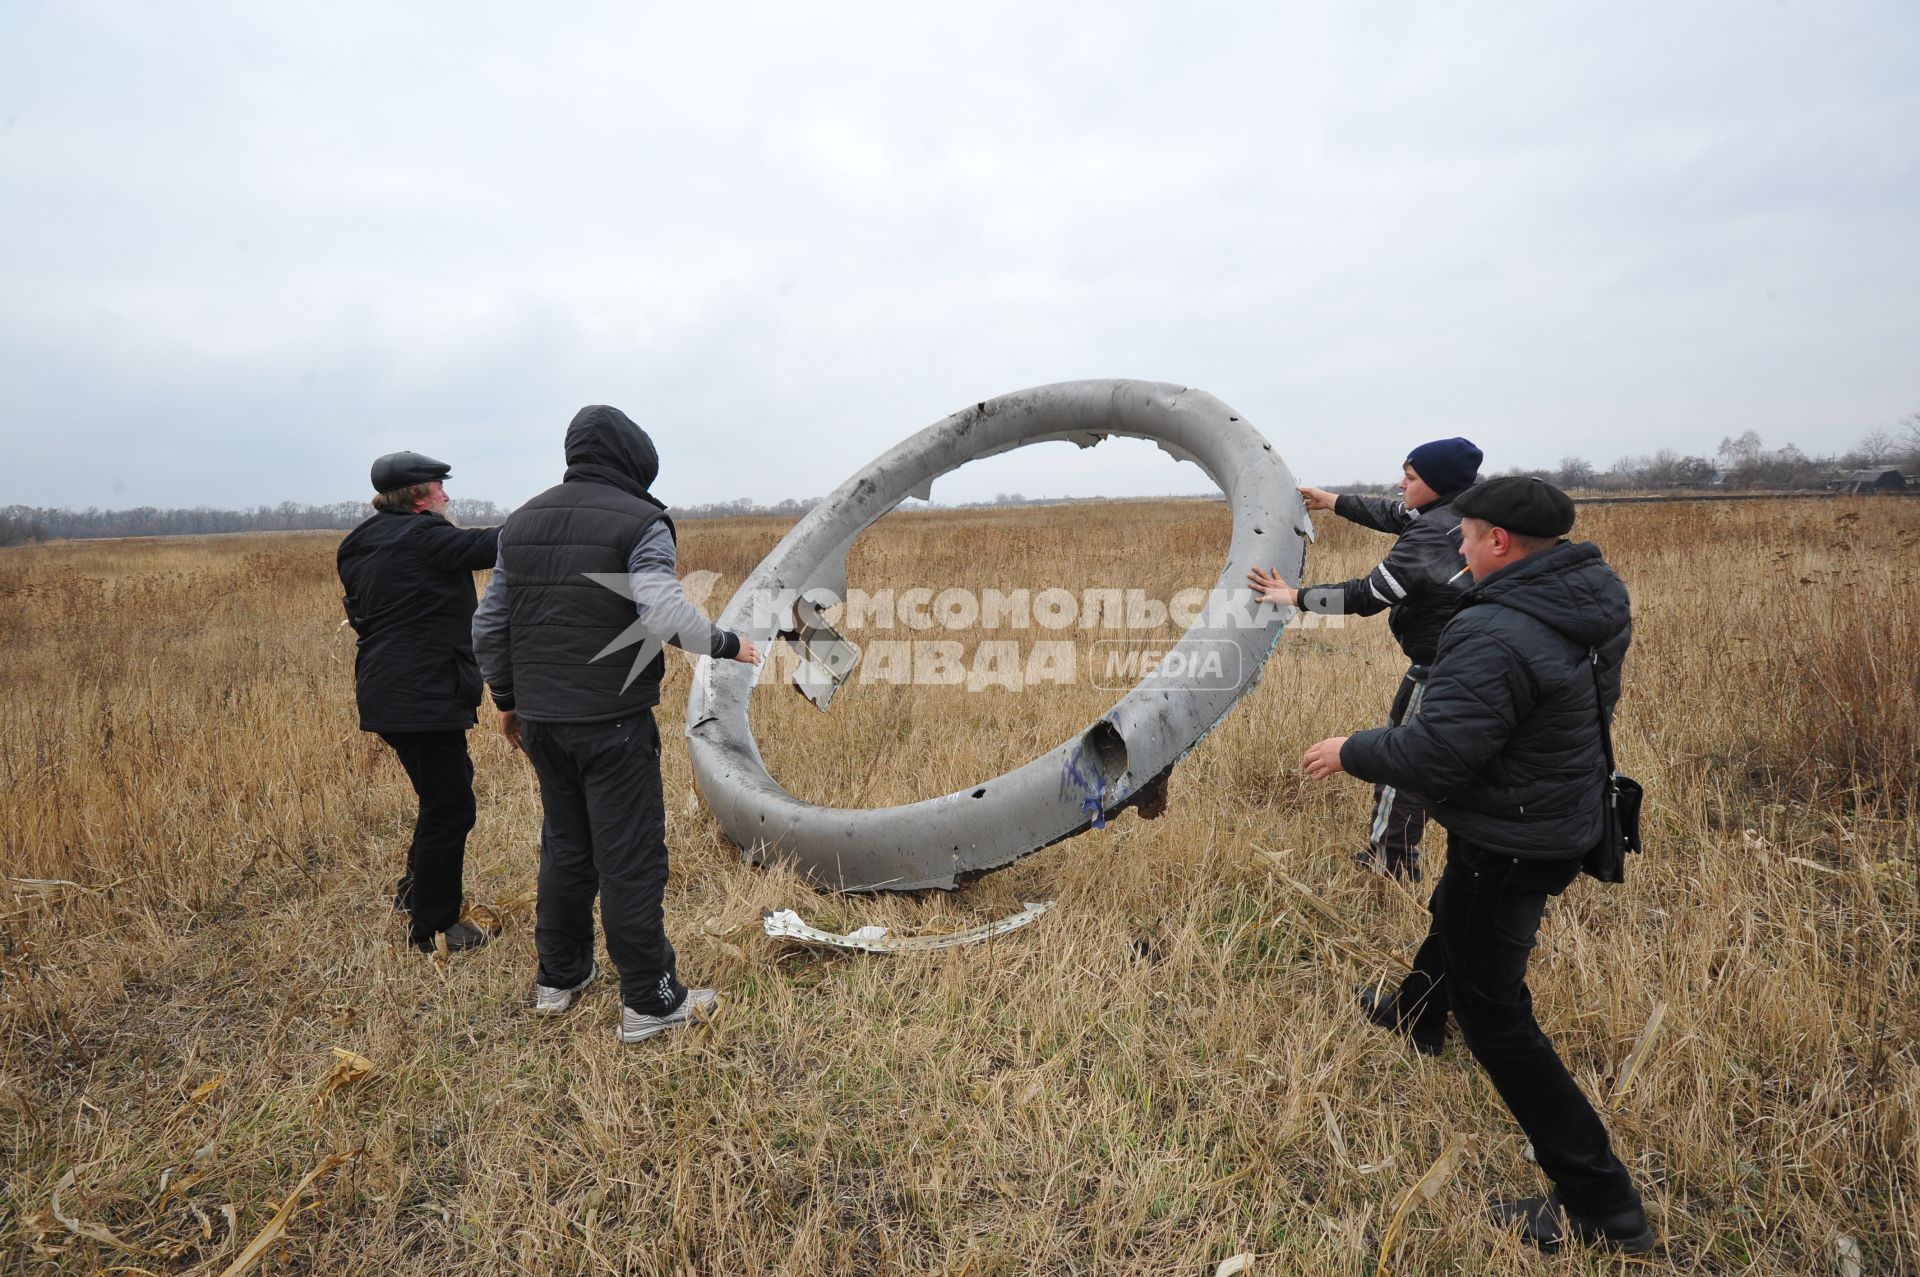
244,248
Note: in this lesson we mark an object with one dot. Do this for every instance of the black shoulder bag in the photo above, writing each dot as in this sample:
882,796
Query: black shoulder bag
1620,816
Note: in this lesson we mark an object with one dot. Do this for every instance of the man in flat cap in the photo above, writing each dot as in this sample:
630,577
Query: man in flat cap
1508,747
569,636
408,574
1417,584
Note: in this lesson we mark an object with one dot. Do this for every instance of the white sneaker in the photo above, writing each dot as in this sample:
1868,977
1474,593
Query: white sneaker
635,1027
548,1000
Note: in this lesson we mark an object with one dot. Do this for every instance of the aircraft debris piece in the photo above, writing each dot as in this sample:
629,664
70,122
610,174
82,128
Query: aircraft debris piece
826,657
1088,778
785,924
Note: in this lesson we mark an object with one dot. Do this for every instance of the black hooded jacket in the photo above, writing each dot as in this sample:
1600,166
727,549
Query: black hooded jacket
564,624
409,595
1507,739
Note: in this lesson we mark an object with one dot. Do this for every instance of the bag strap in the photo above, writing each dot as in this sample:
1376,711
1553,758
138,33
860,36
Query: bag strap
1600,708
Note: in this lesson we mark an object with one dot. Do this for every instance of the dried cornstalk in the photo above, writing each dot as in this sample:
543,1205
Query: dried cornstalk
200,1095
267,1236
1424,1189
85,1228
1642,1047
348,1068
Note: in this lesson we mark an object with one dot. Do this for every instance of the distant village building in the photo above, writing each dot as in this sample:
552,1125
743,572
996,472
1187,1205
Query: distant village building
1878,479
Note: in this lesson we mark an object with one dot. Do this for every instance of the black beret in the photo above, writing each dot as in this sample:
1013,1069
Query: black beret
404,469
1521,504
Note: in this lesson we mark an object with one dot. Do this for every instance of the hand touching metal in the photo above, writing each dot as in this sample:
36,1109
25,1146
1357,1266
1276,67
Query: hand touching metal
1270,587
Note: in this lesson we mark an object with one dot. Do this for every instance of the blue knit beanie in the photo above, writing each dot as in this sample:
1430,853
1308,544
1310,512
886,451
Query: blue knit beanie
1446,465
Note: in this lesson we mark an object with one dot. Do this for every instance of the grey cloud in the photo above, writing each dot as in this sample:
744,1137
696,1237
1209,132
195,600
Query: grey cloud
785,236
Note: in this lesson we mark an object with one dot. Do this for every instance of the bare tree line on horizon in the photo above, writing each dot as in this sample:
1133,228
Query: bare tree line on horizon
1742,462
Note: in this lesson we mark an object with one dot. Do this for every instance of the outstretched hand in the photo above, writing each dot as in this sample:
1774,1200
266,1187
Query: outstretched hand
1318,498
1270,587
1323,760
748,654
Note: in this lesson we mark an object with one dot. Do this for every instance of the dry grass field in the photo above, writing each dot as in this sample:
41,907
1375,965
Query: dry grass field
1166,1071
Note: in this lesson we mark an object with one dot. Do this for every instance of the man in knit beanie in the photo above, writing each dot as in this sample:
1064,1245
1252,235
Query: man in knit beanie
1417,585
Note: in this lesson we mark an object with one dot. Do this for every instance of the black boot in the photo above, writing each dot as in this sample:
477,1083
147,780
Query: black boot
461,936
1383,1010
1547,1224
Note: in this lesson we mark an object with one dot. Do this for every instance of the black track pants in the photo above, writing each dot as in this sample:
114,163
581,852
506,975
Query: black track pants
605,833
1399,817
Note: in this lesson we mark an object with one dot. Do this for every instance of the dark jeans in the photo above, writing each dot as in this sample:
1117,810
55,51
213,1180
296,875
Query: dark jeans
1400,817
442,774
1486,914
605,833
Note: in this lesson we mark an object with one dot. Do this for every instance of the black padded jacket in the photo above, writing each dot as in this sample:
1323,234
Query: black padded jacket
410,597
1419,581
1507,741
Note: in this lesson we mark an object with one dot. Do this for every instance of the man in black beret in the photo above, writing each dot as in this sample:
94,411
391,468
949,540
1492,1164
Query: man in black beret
1417,585
408,575
1508,747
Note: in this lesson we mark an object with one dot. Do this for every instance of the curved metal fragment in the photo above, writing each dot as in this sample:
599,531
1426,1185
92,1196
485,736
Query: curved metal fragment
785,924
1087,777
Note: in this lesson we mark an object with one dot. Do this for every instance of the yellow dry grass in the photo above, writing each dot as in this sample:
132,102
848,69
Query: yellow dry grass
1164,1072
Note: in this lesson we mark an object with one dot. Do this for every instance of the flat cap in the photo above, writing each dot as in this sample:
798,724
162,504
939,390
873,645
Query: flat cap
1519,503
404,469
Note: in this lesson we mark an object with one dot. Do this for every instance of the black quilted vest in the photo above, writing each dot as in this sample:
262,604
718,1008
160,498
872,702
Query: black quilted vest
560,619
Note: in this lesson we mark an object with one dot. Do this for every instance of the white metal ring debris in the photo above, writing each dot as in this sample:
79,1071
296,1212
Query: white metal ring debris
1088,777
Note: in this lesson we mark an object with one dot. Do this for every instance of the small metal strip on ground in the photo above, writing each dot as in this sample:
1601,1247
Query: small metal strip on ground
785,924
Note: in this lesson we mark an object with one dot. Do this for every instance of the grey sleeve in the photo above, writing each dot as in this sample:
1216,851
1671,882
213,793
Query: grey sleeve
663,607
492,640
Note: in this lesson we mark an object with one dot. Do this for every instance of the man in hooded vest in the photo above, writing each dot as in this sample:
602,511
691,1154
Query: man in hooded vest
1417,585
585,578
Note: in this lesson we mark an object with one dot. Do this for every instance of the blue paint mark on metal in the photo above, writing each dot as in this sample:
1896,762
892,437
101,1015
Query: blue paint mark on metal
1093,790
